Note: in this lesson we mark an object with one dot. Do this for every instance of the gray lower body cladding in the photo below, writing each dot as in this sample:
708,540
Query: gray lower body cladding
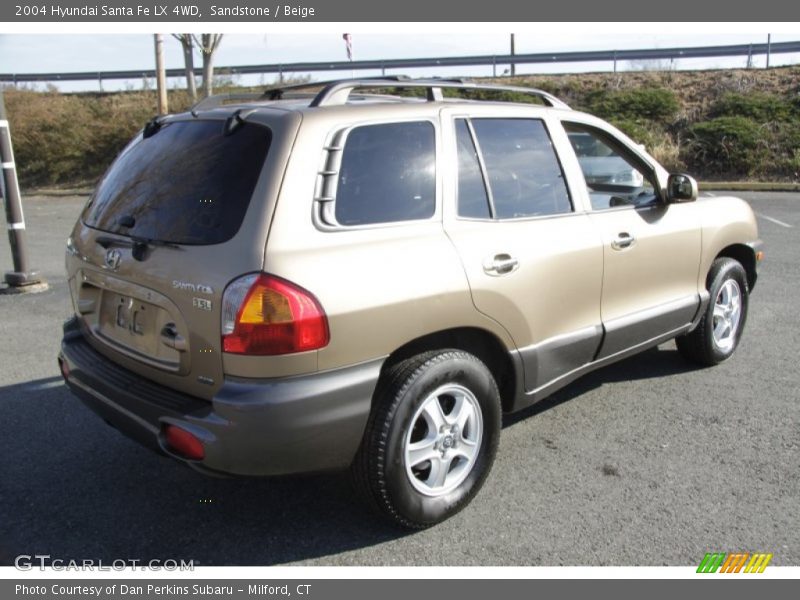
250,427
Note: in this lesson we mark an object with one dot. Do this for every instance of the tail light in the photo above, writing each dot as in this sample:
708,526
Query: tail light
266,315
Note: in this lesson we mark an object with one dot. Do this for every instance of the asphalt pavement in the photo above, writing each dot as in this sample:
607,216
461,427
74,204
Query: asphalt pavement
646,462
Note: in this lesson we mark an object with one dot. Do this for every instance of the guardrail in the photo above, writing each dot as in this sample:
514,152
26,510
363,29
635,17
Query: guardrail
444,61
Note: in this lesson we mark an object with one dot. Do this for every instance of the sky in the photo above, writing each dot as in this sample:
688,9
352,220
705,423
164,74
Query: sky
30,53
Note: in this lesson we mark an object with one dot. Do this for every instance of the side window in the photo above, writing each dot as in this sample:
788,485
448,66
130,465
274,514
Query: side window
473,201
613,177
387,174
524,176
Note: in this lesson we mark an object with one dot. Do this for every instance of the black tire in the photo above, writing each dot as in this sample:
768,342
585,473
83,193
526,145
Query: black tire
700,345
379,470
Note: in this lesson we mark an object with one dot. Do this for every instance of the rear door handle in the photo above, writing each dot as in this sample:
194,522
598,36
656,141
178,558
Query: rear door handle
624,240
500,264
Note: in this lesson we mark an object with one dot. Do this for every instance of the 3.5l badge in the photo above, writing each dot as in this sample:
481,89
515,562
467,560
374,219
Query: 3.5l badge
201,303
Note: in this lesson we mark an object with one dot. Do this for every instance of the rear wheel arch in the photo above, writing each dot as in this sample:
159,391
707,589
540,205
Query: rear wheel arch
481,343
431,438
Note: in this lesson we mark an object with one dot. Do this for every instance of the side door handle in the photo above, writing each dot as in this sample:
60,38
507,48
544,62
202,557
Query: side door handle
500,264
623,240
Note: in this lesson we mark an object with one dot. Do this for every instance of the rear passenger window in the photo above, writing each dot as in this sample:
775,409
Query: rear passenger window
387,174
524,176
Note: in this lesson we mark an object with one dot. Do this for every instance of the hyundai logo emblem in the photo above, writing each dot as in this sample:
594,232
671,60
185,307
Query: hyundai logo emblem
113,257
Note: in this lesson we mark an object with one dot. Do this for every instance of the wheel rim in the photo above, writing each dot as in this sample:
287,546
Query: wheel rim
443,441
727,314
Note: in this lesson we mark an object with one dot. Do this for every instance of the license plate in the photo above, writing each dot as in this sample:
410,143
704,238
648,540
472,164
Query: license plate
130,315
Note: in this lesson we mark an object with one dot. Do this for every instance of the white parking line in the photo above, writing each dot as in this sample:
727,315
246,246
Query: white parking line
776,221
45,385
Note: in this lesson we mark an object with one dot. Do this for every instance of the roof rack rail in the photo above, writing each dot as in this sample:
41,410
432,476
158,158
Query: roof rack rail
276,93
337,92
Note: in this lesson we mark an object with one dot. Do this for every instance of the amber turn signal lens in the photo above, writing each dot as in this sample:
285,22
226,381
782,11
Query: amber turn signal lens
273,317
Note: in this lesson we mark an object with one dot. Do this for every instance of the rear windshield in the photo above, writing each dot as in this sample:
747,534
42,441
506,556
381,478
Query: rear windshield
188,183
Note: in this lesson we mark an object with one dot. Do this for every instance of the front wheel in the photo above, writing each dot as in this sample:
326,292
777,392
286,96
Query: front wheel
431,439
718,333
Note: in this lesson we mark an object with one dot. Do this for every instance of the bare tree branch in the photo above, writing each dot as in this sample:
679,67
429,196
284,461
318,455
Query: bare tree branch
208,44
186,40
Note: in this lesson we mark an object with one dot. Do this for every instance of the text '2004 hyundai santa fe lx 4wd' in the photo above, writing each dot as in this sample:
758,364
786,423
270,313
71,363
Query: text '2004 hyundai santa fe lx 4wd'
338,279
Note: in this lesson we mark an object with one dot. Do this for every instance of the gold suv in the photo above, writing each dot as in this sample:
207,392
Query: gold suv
336,279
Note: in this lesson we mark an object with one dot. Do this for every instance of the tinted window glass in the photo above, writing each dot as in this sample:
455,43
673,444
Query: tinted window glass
473,201
186,184
612,178
388,174
524,175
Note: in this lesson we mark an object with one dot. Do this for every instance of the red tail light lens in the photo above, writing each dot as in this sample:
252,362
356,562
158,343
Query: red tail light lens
184,443
266,315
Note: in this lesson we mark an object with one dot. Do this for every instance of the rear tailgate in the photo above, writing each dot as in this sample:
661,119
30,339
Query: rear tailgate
179,215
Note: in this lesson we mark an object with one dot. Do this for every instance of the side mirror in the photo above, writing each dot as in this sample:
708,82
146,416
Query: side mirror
681,188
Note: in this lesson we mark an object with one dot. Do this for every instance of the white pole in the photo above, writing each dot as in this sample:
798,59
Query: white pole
161,76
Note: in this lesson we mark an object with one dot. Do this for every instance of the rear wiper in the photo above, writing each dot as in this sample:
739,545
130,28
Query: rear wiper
131,240
106,241
139,245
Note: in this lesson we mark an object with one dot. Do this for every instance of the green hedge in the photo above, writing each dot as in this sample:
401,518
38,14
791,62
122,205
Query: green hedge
757,137
655,104
727,144
70,138
760,107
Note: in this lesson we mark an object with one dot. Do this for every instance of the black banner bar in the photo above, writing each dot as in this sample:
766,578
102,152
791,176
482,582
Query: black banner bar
731,587
404,11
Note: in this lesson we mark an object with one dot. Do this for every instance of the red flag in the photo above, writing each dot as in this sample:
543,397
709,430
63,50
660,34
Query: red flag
348,42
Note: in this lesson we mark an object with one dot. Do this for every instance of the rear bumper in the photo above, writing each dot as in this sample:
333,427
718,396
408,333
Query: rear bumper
250,427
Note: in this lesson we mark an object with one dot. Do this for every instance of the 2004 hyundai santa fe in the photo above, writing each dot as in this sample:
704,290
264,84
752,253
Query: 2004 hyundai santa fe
307,281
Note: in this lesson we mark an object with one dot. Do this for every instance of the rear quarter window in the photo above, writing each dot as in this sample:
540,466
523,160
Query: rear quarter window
387,174
188,183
